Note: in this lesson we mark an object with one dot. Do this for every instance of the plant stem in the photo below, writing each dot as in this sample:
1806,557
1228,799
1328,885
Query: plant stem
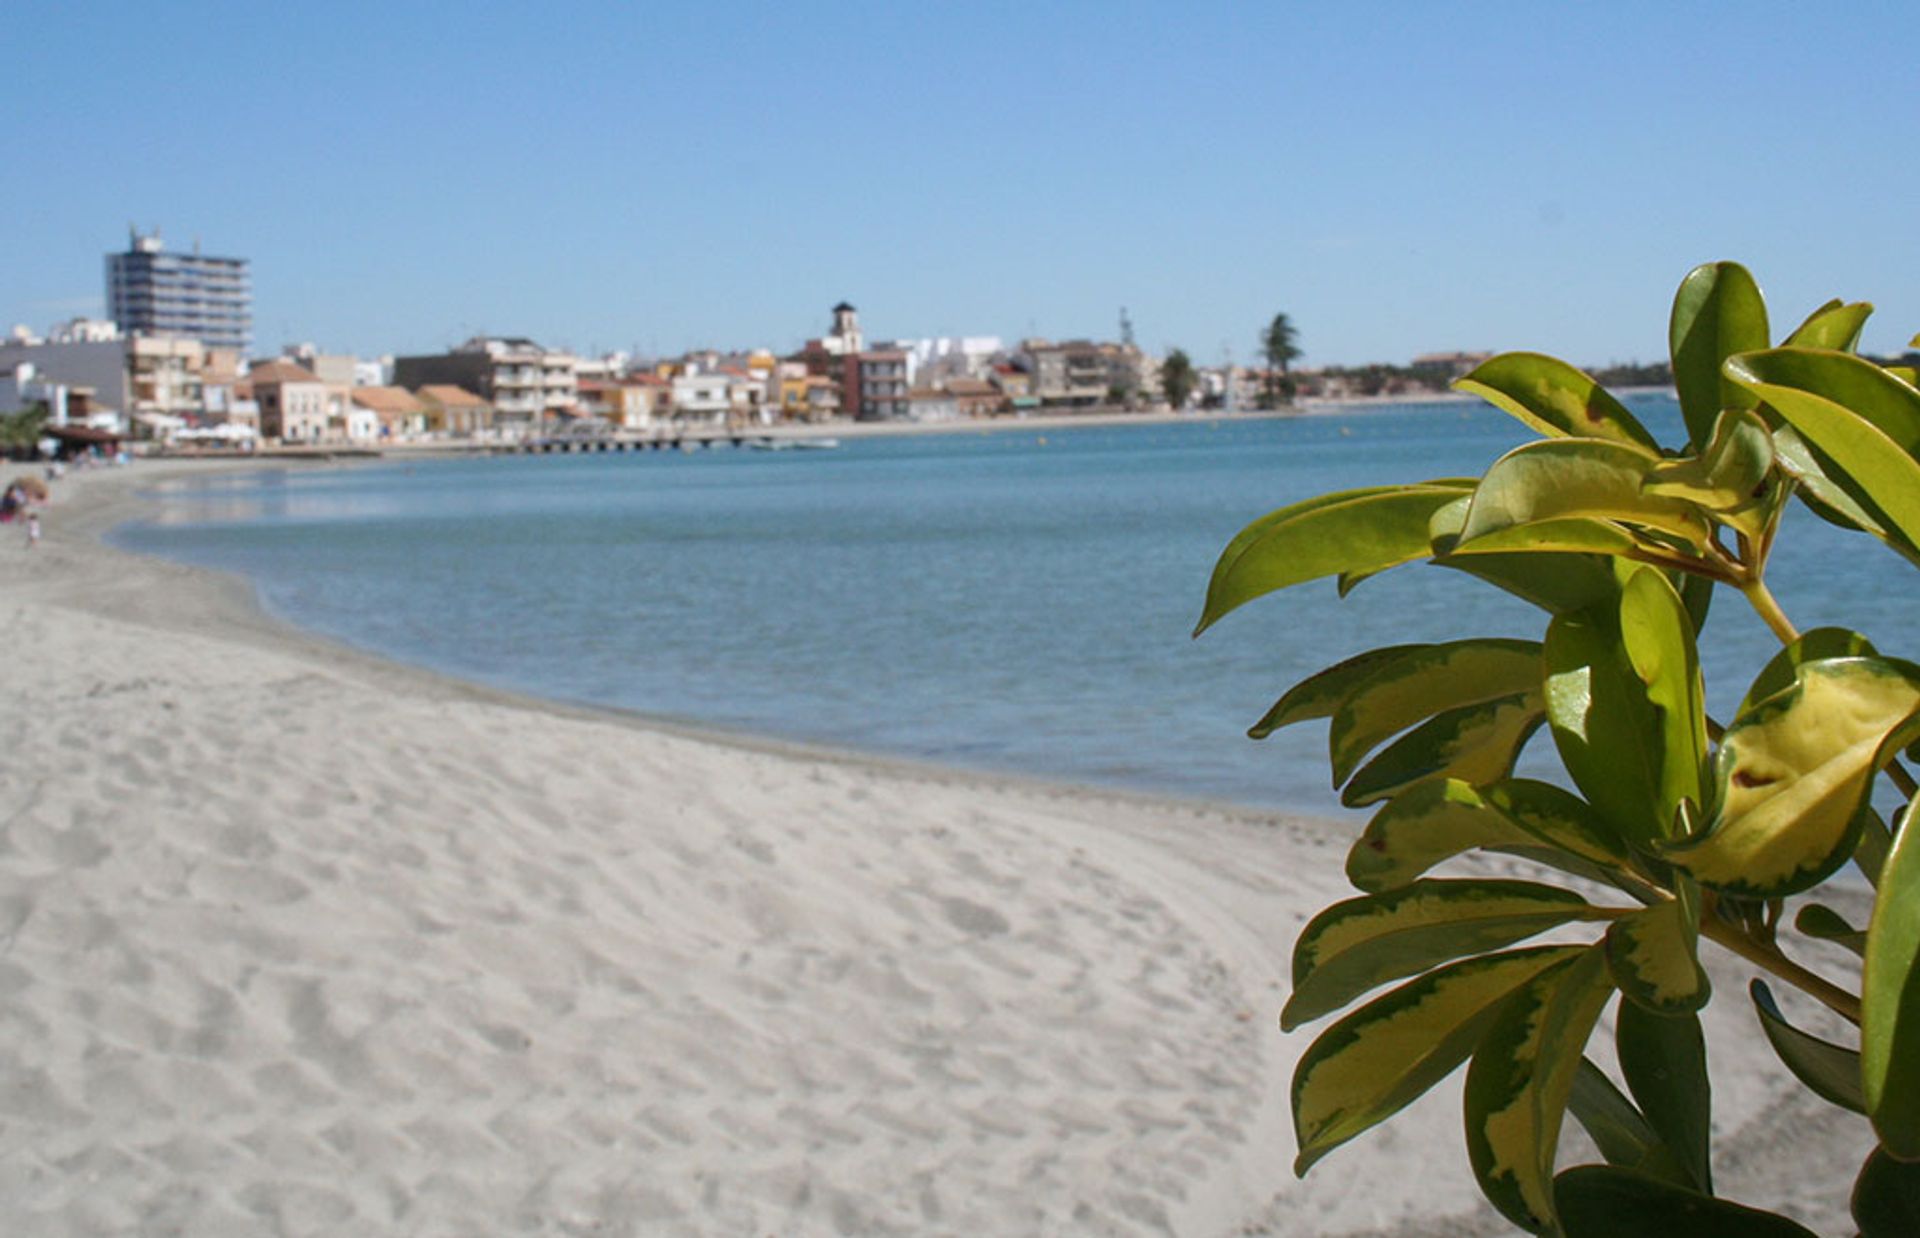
1761,599
1829,994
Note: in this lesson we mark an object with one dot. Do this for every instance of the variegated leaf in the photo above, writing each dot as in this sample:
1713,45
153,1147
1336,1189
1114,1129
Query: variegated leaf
1653,957
1354,530
1793,775
1553,398
1357,945
1385,1055
1476,743
1320,694
1413,688
1562,479
1519,1082
1435,821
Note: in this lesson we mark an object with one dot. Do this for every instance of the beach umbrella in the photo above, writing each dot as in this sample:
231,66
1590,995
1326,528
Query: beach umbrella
32,486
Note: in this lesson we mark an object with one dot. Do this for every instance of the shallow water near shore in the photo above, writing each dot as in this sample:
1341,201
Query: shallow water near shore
1016,601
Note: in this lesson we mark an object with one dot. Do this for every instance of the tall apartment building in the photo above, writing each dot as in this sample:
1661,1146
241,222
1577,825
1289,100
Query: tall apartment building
153,292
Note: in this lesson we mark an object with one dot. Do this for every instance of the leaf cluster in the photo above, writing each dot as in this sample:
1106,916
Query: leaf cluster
1680,827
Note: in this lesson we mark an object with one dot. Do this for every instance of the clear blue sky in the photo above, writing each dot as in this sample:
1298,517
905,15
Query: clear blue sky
1397,177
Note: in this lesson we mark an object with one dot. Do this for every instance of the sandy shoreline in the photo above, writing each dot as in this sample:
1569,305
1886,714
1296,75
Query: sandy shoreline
299,941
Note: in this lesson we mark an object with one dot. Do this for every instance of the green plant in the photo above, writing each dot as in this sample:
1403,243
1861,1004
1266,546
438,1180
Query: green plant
1679,827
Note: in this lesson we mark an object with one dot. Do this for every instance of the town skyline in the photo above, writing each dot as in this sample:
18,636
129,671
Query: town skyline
1399,179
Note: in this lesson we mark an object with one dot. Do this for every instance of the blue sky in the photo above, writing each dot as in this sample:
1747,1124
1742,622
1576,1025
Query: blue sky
1399,178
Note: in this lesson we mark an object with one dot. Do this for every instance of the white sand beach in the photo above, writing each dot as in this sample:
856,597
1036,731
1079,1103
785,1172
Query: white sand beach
296,941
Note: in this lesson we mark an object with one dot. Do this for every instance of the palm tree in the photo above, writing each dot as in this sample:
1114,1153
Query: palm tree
1277,343
1177,379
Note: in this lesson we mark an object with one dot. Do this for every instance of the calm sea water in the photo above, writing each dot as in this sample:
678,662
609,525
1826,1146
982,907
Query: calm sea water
1017,600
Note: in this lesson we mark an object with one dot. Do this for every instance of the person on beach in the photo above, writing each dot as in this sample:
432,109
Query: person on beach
33,529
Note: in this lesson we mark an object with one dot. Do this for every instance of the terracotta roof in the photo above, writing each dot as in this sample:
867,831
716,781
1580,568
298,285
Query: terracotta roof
927,393
971,386
448,396
388,401
280,372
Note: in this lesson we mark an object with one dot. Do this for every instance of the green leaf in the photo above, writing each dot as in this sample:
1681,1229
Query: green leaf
1718,311
1554,398
1434,821
1833,325
1351,531
1731,476
1420,827
1561,479
1606,730
1813,646
1828,1070
1416,686
1554,582
1519,1082
1359,944
1320,694
1822,494
1890,1002
1653,957
1478,743
1385,1055
1664,1061
1862,420
1793,775
1658,634
1886,1197
1876,844
1618,1129
1823,923
1583,535
1600,1201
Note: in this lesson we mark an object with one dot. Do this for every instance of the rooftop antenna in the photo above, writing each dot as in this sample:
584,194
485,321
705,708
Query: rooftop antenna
1126,328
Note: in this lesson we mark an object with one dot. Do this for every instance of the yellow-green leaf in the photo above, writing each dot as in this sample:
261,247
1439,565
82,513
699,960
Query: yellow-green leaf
1554,398
1519,1081
1320,694
1652,955
1730,477
1561,479
1415,687
1385,1055
1357,945
1890,1001
1717,311
1813,645
1793,775
1477,743
1354,530
1833,325
1862,420
1434,821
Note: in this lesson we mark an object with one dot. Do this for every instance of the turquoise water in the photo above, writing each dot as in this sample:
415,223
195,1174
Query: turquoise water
1017,600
